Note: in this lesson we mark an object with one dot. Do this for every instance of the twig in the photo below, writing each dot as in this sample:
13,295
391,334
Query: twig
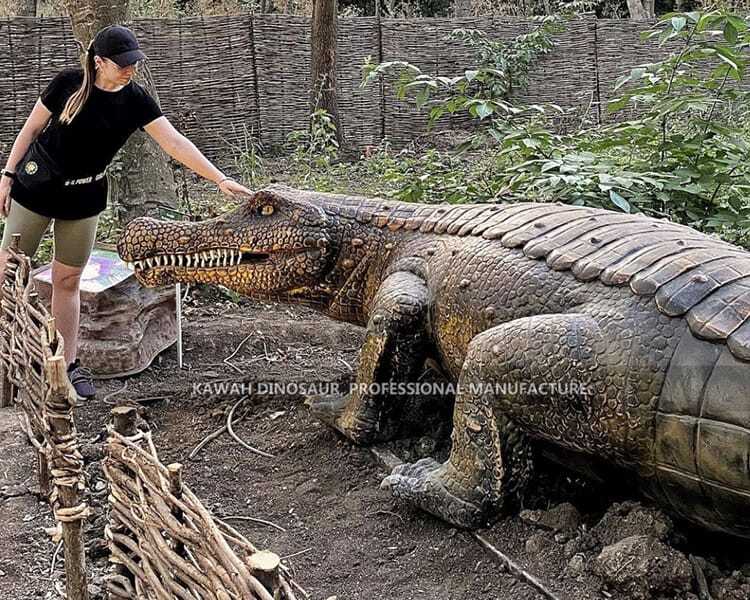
108,396
296,554
54,557
205,440
151,398
239,347
385,512
254,520
236,437
515,569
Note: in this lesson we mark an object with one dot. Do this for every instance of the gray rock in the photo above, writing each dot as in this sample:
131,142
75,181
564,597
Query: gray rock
576,565
642,566
631,518
561,518
537,543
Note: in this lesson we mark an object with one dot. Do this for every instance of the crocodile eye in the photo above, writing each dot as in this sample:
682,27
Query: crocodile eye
266,210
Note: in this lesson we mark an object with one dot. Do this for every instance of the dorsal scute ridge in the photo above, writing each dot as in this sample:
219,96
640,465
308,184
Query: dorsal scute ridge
689,274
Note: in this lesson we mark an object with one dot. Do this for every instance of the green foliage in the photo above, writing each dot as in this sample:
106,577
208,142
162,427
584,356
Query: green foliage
679,146
317,148
482,91
248,158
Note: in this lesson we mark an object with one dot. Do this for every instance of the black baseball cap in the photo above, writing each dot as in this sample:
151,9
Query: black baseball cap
118,44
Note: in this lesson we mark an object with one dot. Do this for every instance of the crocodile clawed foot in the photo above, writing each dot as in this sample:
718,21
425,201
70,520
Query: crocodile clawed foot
331,410
425,483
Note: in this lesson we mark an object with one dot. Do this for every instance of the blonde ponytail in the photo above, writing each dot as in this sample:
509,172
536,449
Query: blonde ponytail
75,103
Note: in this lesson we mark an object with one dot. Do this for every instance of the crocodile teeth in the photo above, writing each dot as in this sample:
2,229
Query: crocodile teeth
150,262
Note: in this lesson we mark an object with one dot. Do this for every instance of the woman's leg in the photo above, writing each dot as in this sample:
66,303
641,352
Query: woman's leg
73,243
29,224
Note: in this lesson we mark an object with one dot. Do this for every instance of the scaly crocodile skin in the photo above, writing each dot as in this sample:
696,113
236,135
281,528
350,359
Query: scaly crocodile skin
650,320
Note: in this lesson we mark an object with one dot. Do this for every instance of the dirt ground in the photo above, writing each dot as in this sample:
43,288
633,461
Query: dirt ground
344,536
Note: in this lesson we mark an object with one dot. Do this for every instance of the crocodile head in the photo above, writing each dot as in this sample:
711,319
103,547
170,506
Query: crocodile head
270,246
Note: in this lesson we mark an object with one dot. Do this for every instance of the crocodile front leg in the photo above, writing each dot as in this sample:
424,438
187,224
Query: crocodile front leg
490,460
393,352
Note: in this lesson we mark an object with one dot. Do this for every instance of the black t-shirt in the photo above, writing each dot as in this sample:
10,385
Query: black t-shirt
86,146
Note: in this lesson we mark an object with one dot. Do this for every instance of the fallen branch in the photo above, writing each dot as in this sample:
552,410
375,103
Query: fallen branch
206,440
236,437
515,570
106,398
236,350
254,520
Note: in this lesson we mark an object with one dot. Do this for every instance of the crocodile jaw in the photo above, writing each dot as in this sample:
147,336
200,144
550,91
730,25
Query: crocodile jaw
249,273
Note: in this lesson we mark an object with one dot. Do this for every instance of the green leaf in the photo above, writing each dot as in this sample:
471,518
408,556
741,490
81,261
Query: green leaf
619,201
678,23
484,110
730,33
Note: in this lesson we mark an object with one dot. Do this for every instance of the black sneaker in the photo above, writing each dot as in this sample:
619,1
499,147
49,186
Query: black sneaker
80,378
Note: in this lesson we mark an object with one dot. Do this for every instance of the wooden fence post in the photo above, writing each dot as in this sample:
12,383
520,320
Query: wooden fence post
7,389
175,488
67,465
121,583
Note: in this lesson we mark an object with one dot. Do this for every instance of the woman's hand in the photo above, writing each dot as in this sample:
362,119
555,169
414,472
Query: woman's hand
229,187
5,185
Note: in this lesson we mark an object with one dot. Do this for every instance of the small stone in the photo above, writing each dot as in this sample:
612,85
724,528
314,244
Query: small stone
356,242
536,544
389,246
576,565
642,567
347,263
464,283
561,518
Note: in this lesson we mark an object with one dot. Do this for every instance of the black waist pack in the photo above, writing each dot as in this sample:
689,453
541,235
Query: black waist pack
37,171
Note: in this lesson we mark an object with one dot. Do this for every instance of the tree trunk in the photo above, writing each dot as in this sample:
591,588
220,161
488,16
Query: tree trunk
641,10
463,8
140,177
24,8
324,61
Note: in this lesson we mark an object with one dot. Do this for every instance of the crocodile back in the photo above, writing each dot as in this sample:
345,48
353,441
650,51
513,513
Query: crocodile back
689,274
701,456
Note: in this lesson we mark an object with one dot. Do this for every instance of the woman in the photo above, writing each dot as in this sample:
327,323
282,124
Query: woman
80,121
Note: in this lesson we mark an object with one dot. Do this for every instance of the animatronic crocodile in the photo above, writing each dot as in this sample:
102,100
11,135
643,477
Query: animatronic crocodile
612,335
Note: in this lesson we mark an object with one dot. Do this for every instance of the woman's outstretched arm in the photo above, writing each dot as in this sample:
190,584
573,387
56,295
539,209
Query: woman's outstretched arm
183,150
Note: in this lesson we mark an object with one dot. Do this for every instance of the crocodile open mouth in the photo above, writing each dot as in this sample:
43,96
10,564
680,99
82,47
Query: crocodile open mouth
217,258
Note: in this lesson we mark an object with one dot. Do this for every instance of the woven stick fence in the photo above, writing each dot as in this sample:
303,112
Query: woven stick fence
34,376
228,80
165,543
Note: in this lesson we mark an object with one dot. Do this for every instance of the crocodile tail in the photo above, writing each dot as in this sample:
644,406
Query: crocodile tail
701,454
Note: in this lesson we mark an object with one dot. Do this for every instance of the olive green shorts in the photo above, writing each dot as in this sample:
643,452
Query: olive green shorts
74,239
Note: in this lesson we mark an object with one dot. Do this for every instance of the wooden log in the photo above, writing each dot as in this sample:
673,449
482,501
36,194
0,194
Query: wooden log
264,564
61,427
175,488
